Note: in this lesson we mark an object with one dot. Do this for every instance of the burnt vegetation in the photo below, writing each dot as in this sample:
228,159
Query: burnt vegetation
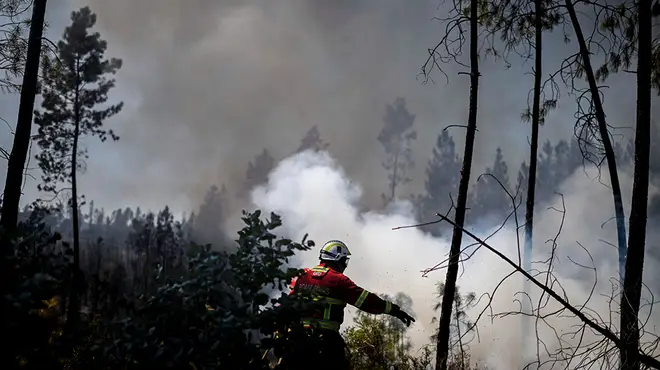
88,288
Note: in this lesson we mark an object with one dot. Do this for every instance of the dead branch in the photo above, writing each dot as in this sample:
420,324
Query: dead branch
606,333
450,47
516,201
461,126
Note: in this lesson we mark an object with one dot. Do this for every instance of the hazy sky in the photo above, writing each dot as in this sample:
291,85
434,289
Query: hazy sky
209,84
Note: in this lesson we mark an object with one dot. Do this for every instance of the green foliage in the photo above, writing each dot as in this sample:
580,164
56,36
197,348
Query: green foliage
219,311
619,24
35,272
73,84
13,44
546,107
216,314
373,344
514,21
153,297
380,342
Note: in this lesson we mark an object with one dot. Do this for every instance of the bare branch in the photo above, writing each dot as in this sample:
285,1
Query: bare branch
589,322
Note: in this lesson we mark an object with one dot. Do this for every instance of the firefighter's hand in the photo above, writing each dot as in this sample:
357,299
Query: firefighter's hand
403,316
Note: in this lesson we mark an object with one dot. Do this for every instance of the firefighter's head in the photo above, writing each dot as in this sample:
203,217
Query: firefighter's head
335,254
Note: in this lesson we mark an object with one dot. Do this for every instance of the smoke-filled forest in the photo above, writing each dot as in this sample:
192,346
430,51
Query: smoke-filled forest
171,166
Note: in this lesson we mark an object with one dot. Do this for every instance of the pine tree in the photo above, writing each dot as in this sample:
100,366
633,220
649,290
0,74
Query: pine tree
442,175
545,173
74,83
489,198
396,138
312,141
209,220
257,172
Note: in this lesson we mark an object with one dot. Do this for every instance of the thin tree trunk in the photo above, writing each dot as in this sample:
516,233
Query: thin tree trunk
457,236
632,283
146,269
460,340
533,158
394,174
73,315
607,144
22,137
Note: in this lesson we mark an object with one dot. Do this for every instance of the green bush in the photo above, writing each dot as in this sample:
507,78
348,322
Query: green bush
35,269
216,316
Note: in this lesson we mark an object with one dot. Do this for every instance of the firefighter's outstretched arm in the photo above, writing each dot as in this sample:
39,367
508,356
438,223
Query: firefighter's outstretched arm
368,302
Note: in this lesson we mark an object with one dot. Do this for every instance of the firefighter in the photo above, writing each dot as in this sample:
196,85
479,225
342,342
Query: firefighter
332,290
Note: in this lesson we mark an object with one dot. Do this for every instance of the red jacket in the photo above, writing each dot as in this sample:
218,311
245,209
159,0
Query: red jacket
334,290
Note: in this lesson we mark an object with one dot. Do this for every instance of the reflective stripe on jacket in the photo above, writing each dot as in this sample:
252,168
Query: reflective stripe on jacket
333,290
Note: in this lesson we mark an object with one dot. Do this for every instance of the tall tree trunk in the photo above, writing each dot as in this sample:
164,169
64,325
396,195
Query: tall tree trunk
394,175
632,284
607,144
73,315
457,236
533,158
16,164
22,137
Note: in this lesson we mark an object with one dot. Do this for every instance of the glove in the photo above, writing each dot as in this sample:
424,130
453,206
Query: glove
403,316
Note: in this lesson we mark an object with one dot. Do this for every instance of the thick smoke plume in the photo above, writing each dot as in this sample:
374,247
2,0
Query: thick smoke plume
314,195
209,85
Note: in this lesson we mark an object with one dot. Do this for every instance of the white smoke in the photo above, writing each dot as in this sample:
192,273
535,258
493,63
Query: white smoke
313,195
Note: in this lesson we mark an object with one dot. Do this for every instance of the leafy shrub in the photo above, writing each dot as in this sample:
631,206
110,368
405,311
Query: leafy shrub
35,267
217,315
